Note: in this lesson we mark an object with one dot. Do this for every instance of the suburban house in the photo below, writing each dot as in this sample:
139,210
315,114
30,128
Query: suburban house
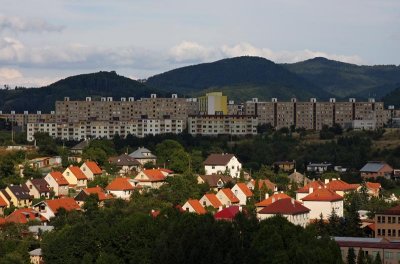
227,197
152,178
5,197
215,181
323,201
298,178
143,155
387,223
57,183
210,199
242,192
305,190
373,188
194,206
374,169
37,188
270,186
45,162
319,167
101,195
339,186
75,177
49,208
223,163
23,216
17,196
125,164
228,214
284,165
271,199
91,170
3,206
78,148
289,208
122,188
35,256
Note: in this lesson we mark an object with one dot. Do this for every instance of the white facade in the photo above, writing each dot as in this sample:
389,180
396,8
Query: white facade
325,208
364,124
238,192
233,168
297,219
57,189
125,195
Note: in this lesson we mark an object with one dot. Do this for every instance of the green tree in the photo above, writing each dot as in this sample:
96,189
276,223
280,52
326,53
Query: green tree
361,257
378,259
351,256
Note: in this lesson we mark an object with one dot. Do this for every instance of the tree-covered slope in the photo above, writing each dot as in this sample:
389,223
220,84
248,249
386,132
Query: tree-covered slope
75,87
393,98
344,79
240,78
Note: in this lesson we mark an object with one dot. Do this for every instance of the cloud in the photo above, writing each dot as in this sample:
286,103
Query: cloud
18,24
13,77
187,52
9,74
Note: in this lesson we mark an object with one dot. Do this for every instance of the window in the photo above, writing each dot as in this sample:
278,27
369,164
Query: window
379,231
388,255
379,219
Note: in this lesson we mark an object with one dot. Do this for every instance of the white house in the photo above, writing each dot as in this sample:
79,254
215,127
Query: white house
91,169
75,177
121,188
289,208
194,206
323,201
49,208
227,197
305,190
242,192
57,183
223,164
152,178
210,199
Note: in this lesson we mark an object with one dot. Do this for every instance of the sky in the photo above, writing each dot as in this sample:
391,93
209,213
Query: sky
43,41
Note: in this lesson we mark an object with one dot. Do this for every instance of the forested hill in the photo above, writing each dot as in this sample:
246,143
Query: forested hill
76,87
241,78
393,98
348,80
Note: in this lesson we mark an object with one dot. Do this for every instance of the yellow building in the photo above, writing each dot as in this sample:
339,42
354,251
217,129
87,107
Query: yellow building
213,103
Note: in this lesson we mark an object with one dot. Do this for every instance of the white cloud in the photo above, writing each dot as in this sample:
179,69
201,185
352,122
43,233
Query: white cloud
9,74
187,52
18,24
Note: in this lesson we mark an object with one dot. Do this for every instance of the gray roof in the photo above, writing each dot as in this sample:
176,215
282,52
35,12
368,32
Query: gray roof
35,229
142,153
124,160
372,167
19,192
81,145
319,164
359,239
36,252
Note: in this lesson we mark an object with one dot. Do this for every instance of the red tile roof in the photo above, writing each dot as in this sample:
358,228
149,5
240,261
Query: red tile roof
267,183
314,184
2,221
2,202
120,184
287,206
213,200
230,195
77,172
154,175
218,159
245,189
373,185
323,195
93,167
227,213
166,171
339,185
22,216
59,178
99,191
197,207
272,198
67,203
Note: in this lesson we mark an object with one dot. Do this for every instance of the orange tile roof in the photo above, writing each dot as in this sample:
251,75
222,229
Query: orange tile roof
2,202
67,203
77,172
99,191
270,185
373,185
197,207
245,189
154,175
230,195
93,167
314,184
2,221
22,216
339,185
166,170
216,203
323,195
272,198
59,178
119,184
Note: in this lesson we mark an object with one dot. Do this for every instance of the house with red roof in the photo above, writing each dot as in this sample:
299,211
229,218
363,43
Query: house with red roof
262,183
271,199
91,170
37,188
373,188
339,186
228,214
223,164
305,190
75,177
242,192
101,195
16,195
23,216
49,208
57,183
122,187
152,178
289,208
210,199
227,197
194,206
3,206
323,201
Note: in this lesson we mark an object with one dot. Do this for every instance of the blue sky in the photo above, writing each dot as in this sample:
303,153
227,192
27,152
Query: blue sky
44,40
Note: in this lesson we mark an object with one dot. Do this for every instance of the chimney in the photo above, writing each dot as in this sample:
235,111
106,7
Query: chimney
311,190
266,195
326,181
220,208
273,199
240,208
292,201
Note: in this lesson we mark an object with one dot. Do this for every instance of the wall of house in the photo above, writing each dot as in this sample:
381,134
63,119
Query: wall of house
188,208
126,195
233,166
70,177
240,195
85,169
299,219
32,190
324,207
